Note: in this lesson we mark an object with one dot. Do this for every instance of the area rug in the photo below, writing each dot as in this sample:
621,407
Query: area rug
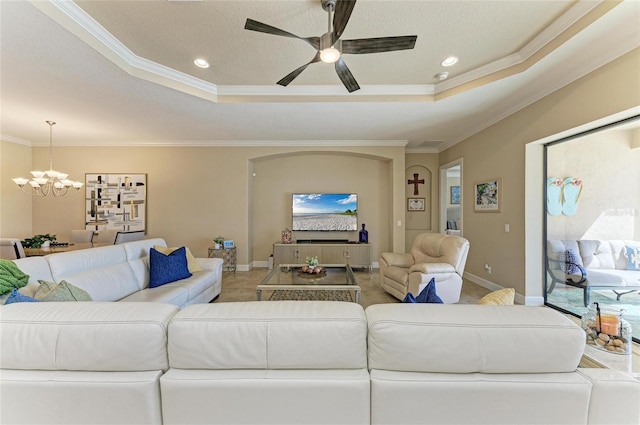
310,295
570,299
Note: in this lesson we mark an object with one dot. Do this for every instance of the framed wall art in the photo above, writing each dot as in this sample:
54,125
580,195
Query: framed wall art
488,196
116,201
415,204
455,195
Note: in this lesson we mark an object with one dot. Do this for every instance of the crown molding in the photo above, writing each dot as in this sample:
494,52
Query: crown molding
526,53
16,140
422,150
78,22
213,143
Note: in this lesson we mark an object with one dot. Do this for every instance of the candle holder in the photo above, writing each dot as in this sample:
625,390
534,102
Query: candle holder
606,329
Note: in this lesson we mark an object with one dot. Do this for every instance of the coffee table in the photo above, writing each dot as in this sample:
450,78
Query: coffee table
288,277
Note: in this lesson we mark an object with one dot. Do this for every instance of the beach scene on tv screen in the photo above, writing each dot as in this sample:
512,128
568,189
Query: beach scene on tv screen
325,211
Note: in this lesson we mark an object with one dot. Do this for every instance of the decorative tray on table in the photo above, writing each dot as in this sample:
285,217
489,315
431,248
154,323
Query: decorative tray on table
312,273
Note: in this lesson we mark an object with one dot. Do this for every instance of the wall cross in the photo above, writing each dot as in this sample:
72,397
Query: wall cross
415,182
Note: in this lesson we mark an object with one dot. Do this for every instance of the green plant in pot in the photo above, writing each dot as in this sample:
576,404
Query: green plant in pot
37,241
218,241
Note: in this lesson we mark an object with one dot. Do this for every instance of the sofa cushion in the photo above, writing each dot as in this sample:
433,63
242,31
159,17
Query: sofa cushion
472,338
633,257
165,269
596,254
258,335
141,248
192,263
36,267
103,272
63,291
85,336
171,293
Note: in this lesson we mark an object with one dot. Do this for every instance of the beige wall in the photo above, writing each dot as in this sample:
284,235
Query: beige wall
427,166
499,151
197,193
276,178
15,206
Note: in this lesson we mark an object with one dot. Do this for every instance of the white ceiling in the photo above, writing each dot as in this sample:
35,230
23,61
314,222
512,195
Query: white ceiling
122,73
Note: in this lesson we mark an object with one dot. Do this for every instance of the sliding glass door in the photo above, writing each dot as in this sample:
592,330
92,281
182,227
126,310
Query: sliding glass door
592,220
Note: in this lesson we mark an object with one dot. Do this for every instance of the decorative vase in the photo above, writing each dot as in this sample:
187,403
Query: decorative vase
363,235
606,329
286,236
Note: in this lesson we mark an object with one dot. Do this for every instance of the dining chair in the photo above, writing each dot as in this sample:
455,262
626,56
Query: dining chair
11,249
81,236
107,236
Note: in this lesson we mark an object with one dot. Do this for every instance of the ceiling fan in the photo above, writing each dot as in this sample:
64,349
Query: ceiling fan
329,46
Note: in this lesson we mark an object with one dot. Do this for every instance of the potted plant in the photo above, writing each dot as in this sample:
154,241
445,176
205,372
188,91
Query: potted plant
38,240
218,242
312,262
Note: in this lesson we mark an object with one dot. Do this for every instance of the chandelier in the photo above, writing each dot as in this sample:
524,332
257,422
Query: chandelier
51,182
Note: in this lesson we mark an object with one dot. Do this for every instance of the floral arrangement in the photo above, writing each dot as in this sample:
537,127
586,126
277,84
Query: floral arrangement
311,261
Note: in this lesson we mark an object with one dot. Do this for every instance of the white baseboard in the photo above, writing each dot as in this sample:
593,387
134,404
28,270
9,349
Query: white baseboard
519,299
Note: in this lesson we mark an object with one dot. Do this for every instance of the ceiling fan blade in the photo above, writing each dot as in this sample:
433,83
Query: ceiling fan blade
292,75
252,25
341,17
377,45
346,76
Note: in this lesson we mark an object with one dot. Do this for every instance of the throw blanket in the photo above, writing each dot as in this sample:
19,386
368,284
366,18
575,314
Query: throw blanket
11,277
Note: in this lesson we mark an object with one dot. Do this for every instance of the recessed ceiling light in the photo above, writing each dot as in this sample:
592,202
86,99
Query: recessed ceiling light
441,76
451,60
202,63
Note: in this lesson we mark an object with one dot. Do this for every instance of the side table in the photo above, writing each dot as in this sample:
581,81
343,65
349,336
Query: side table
228,256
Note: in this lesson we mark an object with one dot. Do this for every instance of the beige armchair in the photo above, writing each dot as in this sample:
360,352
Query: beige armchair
432,255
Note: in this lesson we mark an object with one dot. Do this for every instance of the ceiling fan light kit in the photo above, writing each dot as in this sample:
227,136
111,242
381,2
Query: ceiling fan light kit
330,48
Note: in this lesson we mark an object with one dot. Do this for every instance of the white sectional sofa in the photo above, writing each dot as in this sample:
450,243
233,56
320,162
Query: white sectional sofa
604,262
301,362
121,273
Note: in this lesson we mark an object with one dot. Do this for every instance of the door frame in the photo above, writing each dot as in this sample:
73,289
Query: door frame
444,193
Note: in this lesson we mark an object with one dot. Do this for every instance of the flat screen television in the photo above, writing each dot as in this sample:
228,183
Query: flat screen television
325,212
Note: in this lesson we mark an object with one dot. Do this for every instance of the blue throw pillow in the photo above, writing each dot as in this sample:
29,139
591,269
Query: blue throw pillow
409,298
167,268
428,294
571,262
633,257
17,297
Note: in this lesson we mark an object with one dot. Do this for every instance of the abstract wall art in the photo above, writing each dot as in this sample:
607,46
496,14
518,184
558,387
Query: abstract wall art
116,201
